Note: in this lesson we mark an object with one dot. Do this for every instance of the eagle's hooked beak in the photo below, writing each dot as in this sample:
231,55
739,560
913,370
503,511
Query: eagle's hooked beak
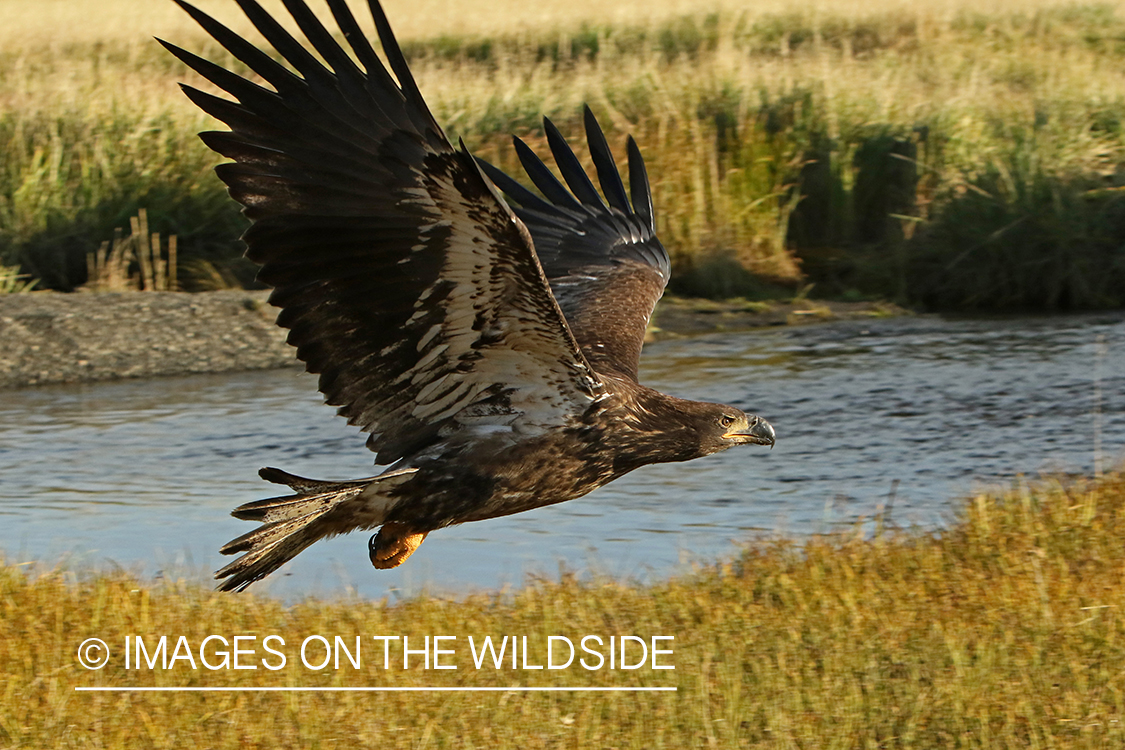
758,432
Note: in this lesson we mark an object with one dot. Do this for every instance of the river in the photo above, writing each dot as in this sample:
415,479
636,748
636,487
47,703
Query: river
909,413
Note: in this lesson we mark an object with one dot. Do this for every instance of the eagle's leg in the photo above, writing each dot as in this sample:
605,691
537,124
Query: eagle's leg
393,544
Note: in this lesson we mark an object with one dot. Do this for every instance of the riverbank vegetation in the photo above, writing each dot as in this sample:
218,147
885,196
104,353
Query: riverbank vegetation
1004,630
943,155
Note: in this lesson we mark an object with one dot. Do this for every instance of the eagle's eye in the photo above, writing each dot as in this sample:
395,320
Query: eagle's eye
726,421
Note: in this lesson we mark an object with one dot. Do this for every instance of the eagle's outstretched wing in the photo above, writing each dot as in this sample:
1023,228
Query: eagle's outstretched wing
404,278
605,264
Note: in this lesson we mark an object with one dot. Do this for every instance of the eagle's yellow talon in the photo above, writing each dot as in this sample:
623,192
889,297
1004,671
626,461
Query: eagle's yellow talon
393,544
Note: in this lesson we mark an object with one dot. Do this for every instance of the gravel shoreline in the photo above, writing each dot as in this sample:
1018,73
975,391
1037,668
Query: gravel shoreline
70,338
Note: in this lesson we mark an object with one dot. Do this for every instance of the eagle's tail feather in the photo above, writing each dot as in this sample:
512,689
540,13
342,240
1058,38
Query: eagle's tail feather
270,547
289,525
312,494
301,484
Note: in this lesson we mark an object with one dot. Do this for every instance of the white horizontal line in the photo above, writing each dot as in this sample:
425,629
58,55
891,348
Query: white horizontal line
515,688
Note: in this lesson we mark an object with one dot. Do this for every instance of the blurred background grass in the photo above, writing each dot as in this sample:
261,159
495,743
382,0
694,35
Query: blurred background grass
937,155
1004,630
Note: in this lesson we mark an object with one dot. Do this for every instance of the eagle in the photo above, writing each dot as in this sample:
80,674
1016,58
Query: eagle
488,345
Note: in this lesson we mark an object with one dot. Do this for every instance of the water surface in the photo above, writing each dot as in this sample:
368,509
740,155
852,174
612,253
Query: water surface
143,474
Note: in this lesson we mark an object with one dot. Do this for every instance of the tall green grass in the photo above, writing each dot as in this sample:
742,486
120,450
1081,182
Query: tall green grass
1005,630
71,179
946,156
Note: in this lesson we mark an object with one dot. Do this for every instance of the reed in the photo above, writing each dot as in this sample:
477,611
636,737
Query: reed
14,282
138,262
1003,630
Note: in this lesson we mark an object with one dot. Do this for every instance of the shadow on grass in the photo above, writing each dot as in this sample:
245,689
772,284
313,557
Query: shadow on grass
1015,236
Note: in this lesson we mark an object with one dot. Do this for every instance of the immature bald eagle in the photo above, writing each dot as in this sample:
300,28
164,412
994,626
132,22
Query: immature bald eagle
490,352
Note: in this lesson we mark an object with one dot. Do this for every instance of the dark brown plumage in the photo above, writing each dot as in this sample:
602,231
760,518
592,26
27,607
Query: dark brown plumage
490,352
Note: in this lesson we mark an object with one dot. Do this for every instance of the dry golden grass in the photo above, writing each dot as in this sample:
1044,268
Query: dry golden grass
32,23
1005,630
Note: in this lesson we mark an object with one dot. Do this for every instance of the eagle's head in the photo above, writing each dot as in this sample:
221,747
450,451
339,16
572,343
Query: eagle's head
721,426
663,428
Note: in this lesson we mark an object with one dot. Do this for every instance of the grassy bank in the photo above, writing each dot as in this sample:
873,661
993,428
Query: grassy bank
938,156
1003,631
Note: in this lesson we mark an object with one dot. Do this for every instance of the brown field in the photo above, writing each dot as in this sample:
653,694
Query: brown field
1003,631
